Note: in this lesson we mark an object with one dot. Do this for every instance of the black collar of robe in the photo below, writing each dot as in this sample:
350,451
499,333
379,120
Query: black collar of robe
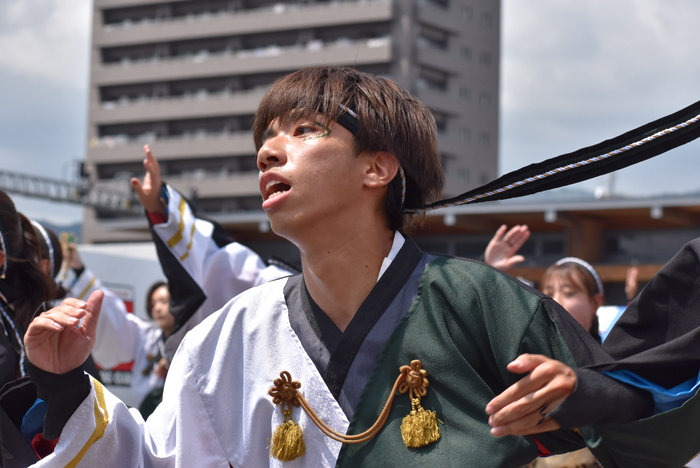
343,346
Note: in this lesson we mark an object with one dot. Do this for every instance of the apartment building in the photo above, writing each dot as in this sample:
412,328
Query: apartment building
186,76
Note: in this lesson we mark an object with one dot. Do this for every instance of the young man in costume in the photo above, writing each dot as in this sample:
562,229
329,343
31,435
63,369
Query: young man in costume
503,361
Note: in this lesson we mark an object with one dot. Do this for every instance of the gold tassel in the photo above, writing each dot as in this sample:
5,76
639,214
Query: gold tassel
287,440
420,427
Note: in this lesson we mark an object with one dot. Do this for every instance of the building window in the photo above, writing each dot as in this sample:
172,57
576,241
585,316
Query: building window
440,121
467,13
484,139
429,78
466,53
438,3
465,93
433,38
465,134
486,19
485,58
484,178
463,175
484,99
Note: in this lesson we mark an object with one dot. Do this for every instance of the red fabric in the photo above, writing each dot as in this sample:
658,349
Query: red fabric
43,447
157,218
541,449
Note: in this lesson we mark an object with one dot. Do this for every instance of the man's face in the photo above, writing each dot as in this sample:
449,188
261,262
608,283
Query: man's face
309,175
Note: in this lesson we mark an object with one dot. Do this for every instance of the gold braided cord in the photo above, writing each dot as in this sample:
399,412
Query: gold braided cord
357,438
412,379
568,167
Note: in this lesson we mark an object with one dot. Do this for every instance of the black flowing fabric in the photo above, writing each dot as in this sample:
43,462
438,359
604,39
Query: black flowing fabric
516,183
658,336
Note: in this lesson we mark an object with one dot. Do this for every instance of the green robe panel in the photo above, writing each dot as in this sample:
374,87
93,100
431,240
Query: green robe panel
467,324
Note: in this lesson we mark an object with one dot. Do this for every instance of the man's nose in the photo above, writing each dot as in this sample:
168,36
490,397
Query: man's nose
271,154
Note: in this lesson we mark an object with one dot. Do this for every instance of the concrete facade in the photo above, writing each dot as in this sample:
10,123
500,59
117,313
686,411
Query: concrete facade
186,76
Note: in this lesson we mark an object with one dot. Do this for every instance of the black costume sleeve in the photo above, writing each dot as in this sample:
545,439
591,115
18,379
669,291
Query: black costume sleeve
614,401
658,336
63,394
8,360
598,399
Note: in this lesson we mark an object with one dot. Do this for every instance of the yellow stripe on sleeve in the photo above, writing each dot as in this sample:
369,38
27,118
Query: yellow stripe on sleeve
87,289
101,421
177,237
189,246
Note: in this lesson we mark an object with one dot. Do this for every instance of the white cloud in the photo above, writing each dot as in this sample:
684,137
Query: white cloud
46,39
575,73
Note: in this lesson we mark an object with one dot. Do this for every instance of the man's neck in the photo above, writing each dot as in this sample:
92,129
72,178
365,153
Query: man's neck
341,273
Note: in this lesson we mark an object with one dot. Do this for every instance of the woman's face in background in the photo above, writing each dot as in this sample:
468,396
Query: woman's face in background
569,291
160,300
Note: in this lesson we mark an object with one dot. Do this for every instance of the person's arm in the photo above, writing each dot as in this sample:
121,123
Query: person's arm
95,428
204,267
118,332
553,395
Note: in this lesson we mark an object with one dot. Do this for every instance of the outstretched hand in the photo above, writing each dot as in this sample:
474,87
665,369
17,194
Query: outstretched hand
56,341
523,408
500,253
148,191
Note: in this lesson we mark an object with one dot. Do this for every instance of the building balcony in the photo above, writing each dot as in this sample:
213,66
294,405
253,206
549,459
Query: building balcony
279,17
206,185
269,59
441,18
444,60
116,149
443,101
172,108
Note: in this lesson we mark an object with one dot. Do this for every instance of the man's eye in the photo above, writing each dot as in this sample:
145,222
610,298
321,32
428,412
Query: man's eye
305,130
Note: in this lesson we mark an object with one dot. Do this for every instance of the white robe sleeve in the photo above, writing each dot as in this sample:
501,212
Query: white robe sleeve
119,333
104,432
198,258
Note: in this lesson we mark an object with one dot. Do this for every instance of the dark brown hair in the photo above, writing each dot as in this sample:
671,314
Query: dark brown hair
389,119
30,285
149,296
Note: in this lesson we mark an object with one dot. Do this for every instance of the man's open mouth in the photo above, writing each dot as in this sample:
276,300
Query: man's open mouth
275,188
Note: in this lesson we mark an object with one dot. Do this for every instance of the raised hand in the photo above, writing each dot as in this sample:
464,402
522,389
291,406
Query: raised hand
500,253
70,254
55,343
149,191
523,407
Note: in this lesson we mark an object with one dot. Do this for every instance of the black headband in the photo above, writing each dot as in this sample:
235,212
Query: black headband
348,119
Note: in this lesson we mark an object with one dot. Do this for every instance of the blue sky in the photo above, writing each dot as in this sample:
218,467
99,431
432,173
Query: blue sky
573,74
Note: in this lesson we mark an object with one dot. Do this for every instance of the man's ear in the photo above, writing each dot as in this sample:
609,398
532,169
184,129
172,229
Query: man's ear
381,169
